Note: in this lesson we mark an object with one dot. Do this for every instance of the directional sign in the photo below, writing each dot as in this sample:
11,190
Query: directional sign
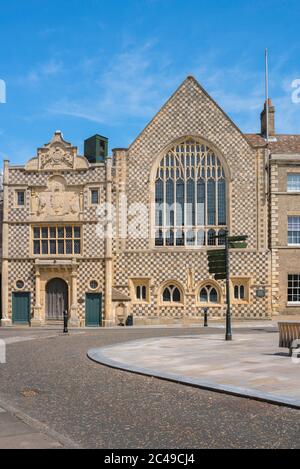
217,262
216,254
220,277
237,245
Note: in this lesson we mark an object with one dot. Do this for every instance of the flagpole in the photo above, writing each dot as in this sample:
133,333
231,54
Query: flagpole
267,93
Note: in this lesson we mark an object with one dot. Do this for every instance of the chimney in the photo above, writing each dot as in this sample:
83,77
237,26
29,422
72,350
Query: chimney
263,119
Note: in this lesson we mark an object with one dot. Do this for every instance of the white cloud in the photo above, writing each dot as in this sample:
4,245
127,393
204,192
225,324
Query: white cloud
42,71
133,86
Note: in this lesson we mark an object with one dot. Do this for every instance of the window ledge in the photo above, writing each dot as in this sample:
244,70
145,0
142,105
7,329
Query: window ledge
166,304
209,305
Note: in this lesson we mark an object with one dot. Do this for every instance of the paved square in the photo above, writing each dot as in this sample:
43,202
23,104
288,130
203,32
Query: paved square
251,365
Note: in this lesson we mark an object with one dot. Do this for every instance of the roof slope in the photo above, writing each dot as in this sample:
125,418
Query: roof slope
285,143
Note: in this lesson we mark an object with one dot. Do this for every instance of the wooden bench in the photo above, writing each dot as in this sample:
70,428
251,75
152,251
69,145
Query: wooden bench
288,333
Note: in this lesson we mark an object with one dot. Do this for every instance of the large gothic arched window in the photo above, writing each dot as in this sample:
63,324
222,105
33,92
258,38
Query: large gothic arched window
190,196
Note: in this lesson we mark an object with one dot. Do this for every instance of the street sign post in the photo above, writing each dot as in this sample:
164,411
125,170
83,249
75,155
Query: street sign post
219,266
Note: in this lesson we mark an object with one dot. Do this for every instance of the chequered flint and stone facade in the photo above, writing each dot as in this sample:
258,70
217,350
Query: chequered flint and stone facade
52,222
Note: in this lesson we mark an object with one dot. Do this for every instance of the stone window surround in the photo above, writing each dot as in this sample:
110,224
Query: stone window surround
292,304
141,282
175,283
55,225
91,190
214,284
93,289
240,281
153,175
16,204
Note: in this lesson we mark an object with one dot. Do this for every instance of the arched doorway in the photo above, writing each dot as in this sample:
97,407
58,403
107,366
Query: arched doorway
56,299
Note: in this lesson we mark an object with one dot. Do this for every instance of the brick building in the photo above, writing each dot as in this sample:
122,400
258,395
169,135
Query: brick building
188,176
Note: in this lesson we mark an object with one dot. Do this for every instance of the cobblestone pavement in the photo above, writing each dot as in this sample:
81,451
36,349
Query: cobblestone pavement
50,379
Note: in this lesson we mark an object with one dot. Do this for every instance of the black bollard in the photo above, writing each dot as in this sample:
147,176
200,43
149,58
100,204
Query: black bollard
205,317
66,317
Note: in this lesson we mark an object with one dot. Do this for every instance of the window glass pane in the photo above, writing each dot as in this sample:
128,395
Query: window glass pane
180,203
44,247
211,202
77,232
176,295
52,232
44,233
95,196
201,202
36,247
293,230
159,238
60,247
201,238
21,198
60,232
166,295
69,244
213,297
236,292
68,231
242,292
203,296
293,182
77,246
170,202
138,292
159,200
144,292
221,202
170,238
190,238
180,238
52,247
211,238
190,200
221,240
36,233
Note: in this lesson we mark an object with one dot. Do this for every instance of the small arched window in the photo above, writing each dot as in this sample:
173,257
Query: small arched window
190,196
171,294
209,294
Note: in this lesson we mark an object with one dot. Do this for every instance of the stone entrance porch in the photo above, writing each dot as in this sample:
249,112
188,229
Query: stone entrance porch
46,270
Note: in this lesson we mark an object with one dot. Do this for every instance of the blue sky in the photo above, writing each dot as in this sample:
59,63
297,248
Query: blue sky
106,67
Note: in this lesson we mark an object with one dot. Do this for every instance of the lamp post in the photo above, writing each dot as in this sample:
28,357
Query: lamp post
205,317
66,322
228,311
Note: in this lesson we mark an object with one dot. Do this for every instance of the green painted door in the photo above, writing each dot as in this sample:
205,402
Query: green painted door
20,307
93,309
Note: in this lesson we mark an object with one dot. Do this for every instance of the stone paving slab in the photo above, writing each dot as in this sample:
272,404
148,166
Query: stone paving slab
18,431
250,366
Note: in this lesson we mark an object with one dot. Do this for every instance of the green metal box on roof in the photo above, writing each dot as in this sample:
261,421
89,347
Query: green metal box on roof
96,149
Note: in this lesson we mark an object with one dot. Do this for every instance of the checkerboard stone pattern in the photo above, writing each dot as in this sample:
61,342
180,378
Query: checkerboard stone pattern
21,262
190,112
21,270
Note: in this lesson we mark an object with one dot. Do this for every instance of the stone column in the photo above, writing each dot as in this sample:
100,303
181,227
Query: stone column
109,315
74,320
6,320
37,319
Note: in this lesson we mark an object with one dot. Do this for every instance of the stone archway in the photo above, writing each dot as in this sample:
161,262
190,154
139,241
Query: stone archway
57,299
